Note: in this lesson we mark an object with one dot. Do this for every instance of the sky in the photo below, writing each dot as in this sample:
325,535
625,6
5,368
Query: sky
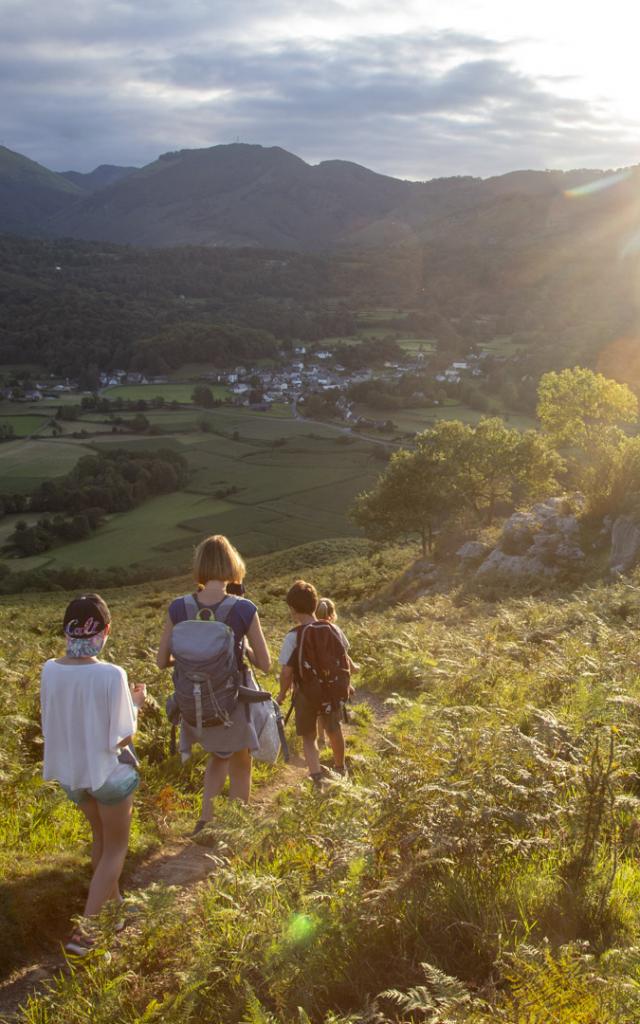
412,88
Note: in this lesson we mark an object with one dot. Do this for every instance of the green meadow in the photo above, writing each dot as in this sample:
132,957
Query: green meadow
24,425
25,464
413,421
169,392
415,345
267,480
502,345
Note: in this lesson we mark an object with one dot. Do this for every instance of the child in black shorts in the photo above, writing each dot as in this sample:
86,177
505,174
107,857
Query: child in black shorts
302,600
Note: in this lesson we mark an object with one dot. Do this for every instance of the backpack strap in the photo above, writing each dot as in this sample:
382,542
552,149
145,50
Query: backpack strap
223,611
191,606
221,614
301,644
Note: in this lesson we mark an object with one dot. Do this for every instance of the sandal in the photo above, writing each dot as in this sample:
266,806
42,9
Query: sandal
84,942
79,943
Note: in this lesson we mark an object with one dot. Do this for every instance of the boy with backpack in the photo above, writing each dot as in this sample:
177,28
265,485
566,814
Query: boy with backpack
314,661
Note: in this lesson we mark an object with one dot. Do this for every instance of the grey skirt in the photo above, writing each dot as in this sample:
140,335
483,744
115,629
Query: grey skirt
223,740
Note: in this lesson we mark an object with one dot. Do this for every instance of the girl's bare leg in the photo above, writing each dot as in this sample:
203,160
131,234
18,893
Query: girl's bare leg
116,822
215,776
89,808
240,776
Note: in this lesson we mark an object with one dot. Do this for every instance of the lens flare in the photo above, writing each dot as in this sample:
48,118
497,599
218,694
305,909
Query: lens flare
301,928
631,246
598,185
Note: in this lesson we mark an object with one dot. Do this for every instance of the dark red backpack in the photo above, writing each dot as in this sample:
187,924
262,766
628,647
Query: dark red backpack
321,664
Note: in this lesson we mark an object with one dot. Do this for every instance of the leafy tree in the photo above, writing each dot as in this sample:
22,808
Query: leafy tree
413,493
491,463
581,408
203,396
456,466
583,411
139,423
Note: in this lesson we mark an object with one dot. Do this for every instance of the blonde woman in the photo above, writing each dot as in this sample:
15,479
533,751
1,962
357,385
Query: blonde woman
217,564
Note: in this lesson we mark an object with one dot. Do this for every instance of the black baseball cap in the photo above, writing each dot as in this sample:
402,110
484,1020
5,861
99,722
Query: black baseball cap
86,616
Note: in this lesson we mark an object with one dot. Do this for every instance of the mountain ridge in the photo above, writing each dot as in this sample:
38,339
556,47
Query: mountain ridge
242,194
99,177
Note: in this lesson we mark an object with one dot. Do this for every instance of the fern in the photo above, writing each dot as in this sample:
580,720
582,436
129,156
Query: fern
255,1013
562,990
433,1002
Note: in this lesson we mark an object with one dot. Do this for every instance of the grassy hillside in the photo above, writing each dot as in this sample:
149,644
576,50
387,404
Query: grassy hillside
270,480
480,866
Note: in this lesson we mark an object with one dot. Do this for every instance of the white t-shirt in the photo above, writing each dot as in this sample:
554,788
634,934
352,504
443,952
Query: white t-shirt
290,643
86,711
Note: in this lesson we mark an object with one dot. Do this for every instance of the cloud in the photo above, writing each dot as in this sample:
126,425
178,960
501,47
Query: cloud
121,82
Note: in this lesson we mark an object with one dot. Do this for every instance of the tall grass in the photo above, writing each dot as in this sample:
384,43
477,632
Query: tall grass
480,866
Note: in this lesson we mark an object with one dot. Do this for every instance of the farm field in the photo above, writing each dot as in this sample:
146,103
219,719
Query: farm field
147,535
415,345
24,425
25,464
268,481
169,392
501,346
414,420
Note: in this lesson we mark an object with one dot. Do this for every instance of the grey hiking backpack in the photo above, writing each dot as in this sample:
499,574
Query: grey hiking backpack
206,676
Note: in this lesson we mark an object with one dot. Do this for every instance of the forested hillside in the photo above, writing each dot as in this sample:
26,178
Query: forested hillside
30,194
481,864
72,305
555,276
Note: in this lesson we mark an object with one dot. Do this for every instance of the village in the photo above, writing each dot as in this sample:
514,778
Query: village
297,380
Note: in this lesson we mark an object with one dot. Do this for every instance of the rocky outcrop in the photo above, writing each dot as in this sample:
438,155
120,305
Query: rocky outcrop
539,544
625,545
472,553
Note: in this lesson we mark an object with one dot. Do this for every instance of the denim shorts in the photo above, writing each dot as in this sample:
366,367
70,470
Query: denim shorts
120,784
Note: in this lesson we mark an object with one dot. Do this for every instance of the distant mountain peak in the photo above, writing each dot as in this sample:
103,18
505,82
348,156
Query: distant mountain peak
246,194
101,177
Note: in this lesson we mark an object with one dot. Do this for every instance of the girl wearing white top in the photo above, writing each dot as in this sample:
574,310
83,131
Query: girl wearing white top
88,717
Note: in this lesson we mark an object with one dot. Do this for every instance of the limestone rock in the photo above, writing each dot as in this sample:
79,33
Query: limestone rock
511,567
472,552
539,543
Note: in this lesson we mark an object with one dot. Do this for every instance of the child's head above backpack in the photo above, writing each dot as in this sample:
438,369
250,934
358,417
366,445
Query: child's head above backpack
86,624
216,559
302,598
326,609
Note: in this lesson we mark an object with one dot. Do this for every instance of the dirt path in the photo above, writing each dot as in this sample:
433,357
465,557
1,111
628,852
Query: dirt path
180,862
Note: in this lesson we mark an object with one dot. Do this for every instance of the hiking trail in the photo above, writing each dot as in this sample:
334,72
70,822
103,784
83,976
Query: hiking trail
179,862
